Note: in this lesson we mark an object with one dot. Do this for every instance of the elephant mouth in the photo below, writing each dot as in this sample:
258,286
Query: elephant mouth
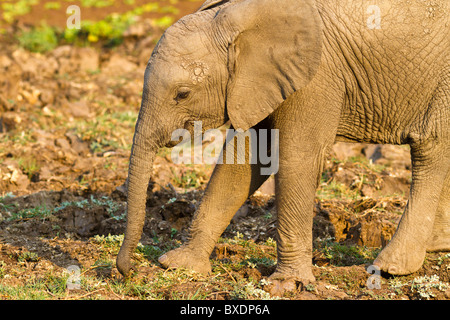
172,144
189,127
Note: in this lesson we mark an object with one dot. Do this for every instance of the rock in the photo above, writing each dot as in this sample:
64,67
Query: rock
47,96
345,176
50,67
10,76
84,164
135,30
43,138
88,59
343,150
63,55
79,109
11,177
63,144
61,52
45,174
397,157
5,61
10,120
447,294
394,185
35,64
4,104
241,213
66,66
31,96
77,144
118,65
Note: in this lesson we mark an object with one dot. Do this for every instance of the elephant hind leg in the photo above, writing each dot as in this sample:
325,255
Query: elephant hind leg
425,224
440,238
405,253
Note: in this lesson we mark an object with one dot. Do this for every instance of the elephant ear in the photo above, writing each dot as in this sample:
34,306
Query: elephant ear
210,4
275,50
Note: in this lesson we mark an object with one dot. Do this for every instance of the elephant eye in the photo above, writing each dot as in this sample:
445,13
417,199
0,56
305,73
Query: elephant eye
183,93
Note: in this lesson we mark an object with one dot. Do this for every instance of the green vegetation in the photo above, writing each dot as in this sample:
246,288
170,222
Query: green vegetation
6,207
336,190
190,177
108,31
41,212
29,166
106,131
13,9
163,284
345,255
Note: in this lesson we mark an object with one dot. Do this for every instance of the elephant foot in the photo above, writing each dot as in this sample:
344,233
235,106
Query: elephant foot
400,258
303,276
124,264
286,279
186,258
278,288
282,282
437,244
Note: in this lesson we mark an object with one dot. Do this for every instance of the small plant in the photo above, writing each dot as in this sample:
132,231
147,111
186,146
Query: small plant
109,29
249,291
424,285
109,240
190,177
29,166
2,269
270,242
41,212
40,39
442,259
343,255
335,190
150,252
6,207
28,257
111,207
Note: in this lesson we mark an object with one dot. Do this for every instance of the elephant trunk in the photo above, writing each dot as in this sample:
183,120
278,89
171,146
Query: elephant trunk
145,146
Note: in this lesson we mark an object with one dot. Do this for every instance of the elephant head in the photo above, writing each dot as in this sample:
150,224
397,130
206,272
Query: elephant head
231,60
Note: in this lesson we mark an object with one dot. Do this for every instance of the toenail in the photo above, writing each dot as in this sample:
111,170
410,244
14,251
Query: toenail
392,269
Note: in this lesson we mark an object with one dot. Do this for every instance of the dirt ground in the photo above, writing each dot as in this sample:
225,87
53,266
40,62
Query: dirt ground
66,125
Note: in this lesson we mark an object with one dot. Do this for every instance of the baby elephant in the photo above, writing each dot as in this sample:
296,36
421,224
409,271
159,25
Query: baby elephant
316,72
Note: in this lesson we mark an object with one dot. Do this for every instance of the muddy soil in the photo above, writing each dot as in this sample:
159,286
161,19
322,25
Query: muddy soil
66,126
64,237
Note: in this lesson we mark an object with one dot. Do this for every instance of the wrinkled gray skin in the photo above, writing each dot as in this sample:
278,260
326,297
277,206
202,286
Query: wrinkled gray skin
315,71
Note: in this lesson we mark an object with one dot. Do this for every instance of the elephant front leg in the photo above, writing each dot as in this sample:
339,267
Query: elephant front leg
227,191
296,184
